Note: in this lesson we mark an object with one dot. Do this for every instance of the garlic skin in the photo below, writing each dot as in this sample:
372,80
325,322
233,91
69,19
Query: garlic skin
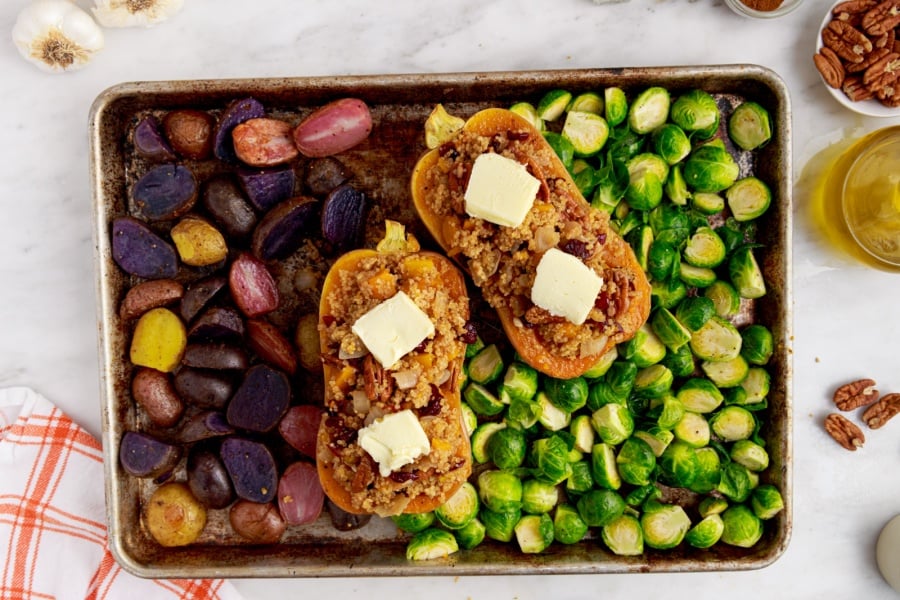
56,35
134,13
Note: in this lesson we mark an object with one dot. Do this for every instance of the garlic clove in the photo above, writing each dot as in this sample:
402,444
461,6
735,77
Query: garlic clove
56,35
134,13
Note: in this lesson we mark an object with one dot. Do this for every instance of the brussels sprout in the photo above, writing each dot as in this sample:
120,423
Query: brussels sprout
469,418
603,466
641,239
599,507
631,221
584,176
668,294
671,143
664,525
725,298
616,105
680,362
613,423
431,543
487,365
471,534
653,381
636,461
746,276
748,198
735,482
718,339
602,365
710,168
601,393
757,344
671,413
692,429
741,527
621,376
413,522
586,131
480,438
709,470
566,394
736,395
639,495
700,395
675,188
678,465
568,526
482,401
699,277
756,384
500,491
520,382
506,448
623,536
726,373
749,127
647,173
661,260
706,533
750,454
582,433
523,413
562,147
669,329
733,423
538,496
527,111
766,501
657,438
474,348
499,526
708,203
591,102
645,348
712,505
460,508
694,311
704,249
649,110
534,533
608,194
551,417
550,457
581,479
553,104
696,111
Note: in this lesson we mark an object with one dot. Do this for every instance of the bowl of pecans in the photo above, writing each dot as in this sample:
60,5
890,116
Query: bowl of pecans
858,55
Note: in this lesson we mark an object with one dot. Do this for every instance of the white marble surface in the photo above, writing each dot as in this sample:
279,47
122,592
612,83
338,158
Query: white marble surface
845,314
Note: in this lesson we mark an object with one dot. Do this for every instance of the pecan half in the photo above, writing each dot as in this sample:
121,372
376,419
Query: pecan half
855,89
844,432
853,7
847,41
883,72
830,67
886,40
870,59
882,411
857,393
889,95
882,18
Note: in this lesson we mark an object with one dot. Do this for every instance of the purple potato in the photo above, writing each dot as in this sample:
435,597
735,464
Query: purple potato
149,141
225,201
283,229
267,187
208,478
261,400
251,468
164,192
344,521
140,252
343,217
142,455
198,294
323,175
218,324
204,426
234,114
218,357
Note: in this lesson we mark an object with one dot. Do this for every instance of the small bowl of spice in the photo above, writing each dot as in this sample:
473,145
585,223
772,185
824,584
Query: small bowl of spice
763,9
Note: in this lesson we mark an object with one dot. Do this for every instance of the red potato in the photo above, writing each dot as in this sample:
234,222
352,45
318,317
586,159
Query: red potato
333,128
299,427
264,142
252,286
300,495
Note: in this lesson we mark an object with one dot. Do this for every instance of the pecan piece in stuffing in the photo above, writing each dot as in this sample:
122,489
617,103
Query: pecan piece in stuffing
844,432
857,393
830,67
882,411
882,18
379,386
848,42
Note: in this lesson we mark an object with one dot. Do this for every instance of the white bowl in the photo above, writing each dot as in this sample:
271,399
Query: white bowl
872,108
744,10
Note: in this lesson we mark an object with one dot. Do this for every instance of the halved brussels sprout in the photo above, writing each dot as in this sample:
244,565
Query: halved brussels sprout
582,433
607,194
553,104
480,438
710,168
692,429
735,482
486,365
524,413
661,260
653,381
641,239
712,505
470,535
500,491
600,507
748,198
581,479
733,423
709,470
602,393
699,277
726,373
668,294
657,438
430,544
644,349
694,311
749,126
603,466
704,248
566,394
460,508
538,496
550,457
413,522
624,536
671,413
534,533
756,384
506,448
481,400
696,111
766,501
528,111
700,395
649,110
676,188
742,528
500,526
568,526
639,495
706,533
613,423
584,176
551,417
587,131
750,454
680,362
647,173
591,102
469,418
520,382
758,344
636,461
616,105
562,147
671,143
664,525
746,276
678,465
718,339
670,330
725,298
708,203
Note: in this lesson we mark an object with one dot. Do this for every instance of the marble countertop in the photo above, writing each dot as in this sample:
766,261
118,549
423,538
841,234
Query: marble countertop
844,322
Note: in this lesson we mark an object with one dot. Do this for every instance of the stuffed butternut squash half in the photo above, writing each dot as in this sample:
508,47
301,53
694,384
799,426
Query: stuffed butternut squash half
566,287
392,326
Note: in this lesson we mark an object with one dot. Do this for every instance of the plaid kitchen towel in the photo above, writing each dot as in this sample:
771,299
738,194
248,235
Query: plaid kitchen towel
53,542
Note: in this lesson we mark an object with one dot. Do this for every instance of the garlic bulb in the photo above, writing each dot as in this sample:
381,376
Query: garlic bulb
134,13
56,35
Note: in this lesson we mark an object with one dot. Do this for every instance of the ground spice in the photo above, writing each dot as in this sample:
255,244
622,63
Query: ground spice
763,5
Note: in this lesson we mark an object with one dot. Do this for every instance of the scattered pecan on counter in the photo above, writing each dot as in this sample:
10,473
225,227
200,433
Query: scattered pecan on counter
844,431
857,393
882,411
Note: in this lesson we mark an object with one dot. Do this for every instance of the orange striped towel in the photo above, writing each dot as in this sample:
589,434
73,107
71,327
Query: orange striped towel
53,542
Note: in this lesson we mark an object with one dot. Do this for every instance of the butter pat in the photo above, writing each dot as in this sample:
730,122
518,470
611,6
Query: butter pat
395,440
565,287
500,190
393,328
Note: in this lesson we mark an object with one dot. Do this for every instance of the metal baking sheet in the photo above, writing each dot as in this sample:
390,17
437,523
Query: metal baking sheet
382,166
